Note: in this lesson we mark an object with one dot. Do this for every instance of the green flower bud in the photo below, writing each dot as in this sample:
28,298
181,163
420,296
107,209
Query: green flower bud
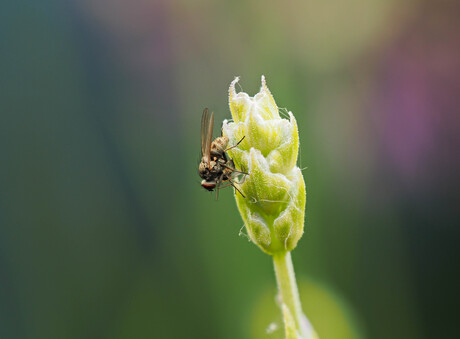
273,208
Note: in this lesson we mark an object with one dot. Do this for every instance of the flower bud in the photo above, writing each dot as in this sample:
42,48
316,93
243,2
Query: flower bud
273,208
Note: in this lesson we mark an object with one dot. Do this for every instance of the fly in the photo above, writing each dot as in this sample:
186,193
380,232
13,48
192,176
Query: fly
215,167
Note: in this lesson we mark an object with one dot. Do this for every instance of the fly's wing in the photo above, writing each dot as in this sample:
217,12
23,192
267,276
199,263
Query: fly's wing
209,135
207,122
204,128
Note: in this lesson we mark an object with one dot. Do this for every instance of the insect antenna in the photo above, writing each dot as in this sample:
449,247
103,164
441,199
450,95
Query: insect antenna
225,150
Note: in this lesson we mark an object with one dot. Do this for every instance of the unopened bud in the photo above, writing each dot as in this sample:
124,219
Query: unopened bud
273,208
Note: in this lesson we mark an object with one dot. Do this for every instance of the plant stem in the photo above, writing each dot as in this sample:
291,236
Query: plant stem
287,288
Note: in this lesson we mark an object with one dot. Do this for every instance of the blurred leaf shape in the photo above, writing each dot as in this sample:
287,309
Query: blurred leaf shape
330,314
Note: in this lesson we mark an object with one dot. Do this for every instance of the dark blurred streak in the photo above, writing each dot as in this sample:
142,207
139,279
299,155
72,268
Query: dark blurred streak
102,86
146,55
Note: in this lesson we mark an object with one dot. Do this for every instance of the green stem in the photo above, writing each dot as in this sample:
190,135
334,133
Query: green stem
287,288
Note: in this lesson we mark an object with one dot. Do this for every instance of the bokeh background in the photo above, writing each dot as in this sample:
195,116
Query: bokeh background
105,231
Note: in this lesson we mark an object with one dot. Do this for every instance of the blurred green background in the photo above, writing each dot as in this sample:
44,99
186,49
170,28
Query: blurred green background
105,231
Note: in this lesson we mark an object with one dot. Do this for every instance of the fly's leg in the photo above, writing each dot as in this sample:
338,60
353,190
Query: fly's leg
218,186
231,183
244,177
234,170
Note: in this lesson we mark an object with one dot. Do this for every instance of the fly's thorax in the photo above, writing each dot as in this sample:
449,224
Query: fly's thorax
205,169
219,145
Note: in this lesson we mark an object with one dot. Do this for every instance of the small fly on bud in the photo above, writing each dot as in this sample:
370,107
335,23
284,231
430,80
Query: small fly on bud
215,167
